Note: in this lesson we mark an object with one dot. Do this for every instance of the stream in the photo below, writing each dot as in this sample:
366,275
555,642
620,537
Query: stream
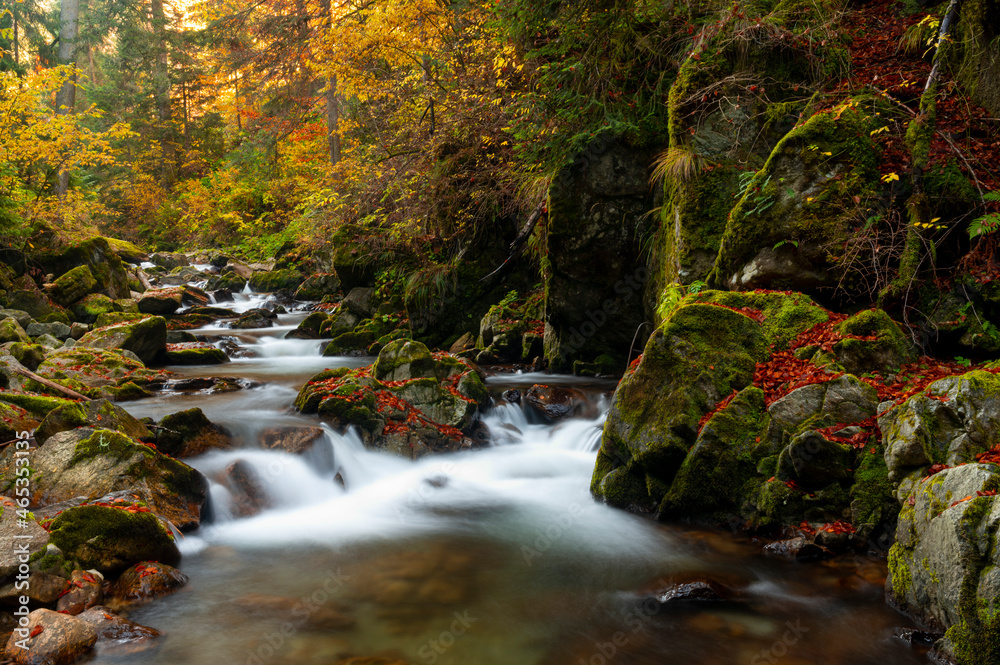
490,557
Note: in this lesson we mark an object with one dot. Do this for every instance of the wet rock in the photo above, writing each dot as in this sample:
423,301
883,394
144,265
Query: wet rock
98,256
114,374
916,637
215,312
189,433
249,496
92,463
42,589
17,538
295,440
38,406
169,260
276,280
180,337
22,317
554,404
86,590
161,301
359,301
843,400
195,353
99,413
207,384
253,319
146,338
111,627
92,306
222,295
61,640
192,296
110,539
513,395
146,581
309,328
77,330
404,360
680,595
797,549
463,343
885,346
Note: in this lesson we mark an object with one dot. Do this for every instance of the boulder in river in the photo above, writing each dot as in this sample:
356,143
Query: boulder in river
195,353
86,590
319,286
98,413
94,462
188,433
110,538
145,337
50,638
253,319
146,581
161,301
552,404
114,374
72,285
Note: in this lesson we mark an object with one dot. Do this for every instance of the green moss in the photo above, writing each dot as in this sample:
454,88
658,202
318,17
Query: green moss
37,405
785,315
111,539
872,500
110,444
197,356
899,571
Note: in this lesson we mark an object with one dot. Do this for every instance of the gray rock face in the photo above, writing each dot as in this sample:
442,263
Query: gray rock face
359,301
814,462
844,400
60,331
943,566
950,423
29,536
61,640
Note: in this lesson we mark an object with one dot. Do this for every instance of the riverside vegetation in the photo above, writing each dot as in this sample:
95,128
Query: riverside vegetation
775,222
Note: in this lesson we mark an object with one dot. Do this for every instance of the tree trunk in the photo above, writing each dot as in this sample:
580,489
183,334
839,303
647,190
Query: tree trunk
69,17
332,102
16,50
161,81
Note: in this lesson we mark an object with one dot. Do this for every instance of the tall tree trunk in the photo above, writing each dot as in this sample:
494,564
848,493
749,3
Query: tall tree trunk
16,49
332,101
69,16
161,79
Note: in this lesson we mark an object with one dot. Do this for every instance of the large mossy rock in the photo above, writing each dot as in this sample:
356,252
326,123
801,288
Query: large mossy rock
92,306
100,260
72,286
161,301
798,204
145,337
195,353
14,420
98,413
950,423
410,402
189,433
876,343
11,331
54,639
92,463
597,224
285,279
702,353
96,373
944,568
110,538
319,286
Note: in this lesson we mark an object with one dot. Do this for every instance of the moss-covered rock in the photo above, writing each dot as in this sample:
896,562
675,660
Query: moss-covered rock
319,286
38,406
95,462
884,346
161,301
110,539
309,327
127,251
11,331
797,205
943,567
29,355
403,360
118,316
950,423
195,353
146,338
94,372
72,286
88,309
99,258
14,420
276,280
99,413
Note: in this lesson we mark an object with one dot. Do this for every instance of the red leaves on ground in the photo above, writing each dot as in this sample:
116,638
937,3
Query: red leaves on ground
718,407
749,312
858,440
838,527
991,456
37,630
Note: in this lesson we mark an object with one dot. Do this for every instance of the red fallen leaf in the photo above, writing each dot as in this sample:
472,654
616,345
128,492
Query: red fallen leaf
838,527
792,485
962,500
804,527
37,630
986,493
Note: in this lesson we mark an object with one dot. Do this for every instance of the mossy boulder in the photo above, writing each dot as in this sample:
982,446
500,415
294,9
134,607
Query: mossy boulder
254,319
883,345
20,316
195,353
943,568
950,423
72,285
98,257
798,205
118,316
95,372
95,462
29,355
54,639
38,406
276,280
11,331
422,403
92,306
309,327
146,338
338,322
110,539
127,251
319,286
98,413
189,433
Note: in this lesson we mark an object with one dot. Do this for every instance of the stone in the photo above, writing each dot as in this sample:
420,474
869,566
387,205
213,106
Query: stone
359,301
113,374
169,260
887,351
319,286
195,353
72,286
309,327
146,337
98,257
62,640
22,317
98,413
86,590
113,628
552,404
843,400
60,331
253,319
27,537
11,331
248,495
291,439
189,433
814,462
94,462
147,581
14,420
161,301
110,539
275,280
